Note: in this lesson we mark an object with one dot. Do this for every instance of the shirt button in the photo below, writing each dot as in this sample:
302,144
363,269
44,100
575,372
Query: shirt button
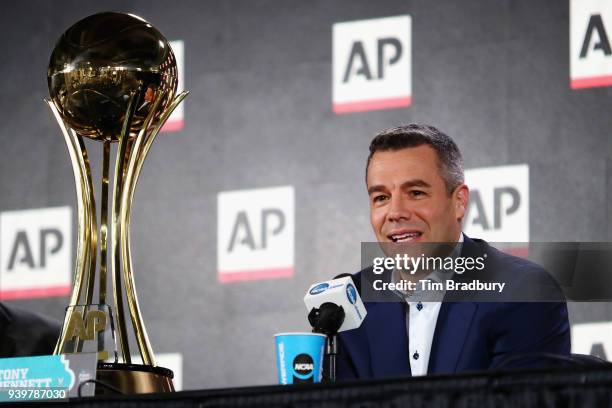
415,355
419,306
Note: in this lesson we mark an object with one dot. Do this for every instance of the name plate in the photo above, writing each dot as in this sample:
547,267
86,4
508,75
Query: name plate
47,377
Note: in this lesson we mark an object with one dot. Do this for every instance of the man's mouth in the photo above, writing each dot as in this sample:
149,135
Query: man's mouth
405,236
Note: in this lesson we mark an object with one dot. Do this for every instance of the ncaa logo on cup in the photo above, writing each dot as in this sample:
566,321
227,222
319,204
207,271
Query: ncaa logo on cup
320,288
303,366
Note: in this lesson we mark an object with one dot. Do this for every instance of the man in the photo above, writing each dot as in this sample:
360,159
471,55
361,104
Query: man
23,333
415,182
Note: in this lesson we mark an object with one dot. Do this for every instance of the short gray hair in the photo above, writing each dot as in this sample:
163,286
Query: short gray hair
450,161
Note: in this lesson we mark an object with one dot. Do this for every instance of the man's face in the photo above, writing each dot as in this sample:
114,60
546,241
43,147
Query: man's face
408,198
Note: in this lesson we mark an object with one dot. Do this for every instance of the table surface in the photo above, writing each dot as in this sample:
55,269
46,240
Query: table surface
563,386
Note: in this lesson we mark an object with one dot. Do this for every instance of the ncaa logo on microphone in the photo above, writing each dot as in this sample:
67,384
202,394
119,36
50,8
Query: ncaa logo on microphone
351,293
372,64
35,253
255,234
320,288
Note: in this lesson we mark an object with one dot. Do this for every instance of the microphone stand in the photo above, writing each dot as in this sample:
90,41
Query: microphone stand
327,320
331,351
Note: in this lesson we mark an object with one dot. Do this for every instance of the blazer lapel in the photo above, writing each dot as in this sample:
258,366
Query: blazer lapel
452,329
453,326
386,332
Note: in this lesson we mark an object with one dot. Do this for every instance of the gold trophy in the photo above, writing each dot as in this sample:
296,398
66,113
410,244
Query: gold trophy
112,78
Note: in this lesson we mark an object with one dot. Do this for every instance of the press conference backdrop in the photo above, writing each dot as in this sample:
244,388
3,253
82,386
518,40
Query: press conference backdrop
257,188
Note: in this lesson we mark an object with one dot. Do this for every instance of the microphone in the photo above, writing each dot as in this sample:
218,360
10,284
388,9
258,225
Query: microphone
334,306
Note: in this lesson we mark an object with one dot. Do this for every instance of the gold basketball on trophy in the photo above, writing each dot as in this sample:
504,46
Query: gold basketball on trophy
99,62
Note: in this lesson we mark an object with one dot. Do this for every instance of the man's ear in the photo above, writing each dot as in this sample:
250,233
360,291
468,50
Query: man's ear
461,197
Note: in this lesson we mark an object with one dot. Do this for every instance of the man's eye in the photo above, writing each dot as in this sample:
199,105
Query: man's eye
379,198
417,193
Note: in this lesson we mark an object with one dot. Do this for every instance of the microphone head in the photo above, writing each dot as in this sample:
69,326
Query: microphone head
326,319
334,306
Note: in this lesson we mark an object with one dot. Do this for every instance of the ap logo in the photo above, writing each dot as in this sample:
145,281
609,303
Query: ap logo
255,234
35,253
372,64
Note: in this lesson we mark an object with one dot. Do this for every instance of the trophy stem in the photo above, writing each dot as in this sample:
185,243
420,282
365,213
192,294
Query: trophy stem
90,219
129,185
120,168
86,235
104,221
103,233
138,155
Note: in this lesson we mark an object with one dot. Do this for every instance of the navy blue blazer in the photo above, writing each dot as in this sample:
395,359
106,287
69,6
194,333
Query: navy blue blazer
23,333
469,336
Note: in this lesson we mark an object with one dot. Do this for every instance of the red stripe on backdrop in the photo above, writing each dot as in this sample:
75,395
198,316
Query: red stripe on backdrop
238,276
373,104
173,126
51,291
592,82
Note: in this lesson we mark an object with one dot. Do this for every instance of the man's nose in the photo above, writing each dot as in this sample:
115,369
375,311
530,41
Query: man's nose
399,209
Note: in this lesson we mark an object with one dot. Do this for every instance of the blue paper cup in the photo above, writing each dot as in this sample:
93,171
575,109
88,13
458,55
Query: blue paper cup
299,357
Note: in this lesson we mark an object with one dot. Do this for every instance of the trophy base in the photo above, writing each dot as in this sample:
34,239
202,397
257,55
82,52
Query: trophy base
133,378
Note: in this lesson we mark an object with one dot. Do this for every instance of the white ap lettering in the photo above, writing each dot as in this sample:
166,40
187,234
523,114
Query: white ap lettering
358,58
481,217
242,228
21,250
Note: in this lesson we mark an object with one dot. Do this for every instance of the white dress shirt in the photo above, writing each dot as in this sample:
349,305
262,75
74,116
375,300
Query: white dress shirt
421,323
421,319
